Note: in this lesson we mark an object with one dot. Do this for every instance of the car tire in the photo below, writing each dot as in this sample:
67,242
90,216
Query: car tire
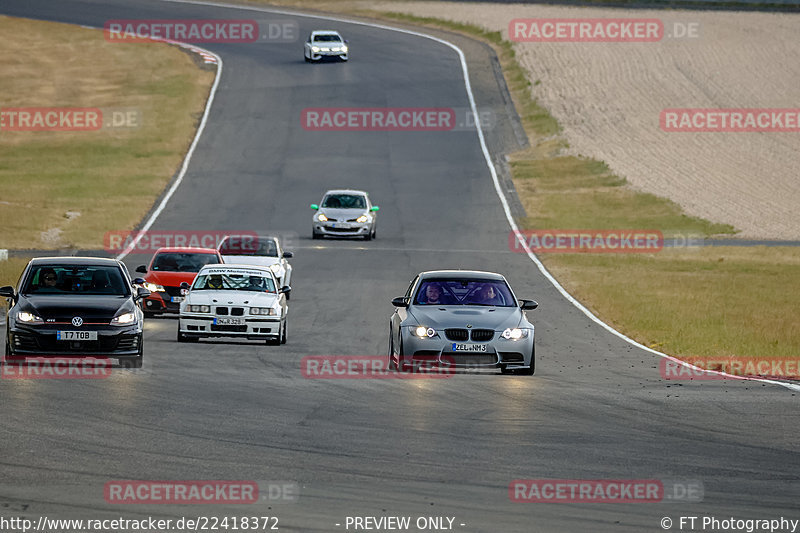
306,58
374,233
368,236
392,364
8,348
276,341
285,335
529,371
316,236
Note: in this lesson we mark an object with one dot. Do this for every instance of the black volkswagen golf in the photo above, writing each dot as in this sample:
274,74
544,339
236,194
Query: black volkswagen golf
75,306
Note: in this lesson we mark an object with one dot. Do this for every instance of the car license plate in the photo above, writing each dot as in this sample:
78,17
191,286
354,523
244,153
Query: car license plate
229,321
341,225
470,347
76,335
176,299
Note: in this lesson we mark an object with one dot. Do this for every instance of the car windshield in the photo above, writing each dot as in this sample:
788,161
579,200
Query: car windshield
327,38
182,261
59,280
344,201
464,292
249,246
233,282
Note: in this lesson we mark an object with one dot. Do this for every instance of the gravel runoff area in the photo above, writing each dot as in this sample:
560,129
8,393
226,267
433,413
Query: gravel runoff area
609,97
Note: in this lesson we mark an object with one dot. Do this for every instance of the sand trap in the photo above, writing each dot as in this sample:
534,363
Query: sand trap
608,97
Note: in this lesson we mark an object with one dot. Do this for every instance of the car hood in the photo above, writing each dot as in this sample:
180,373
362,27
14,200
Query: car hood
250,260
459,316
170,279
90,308
254,299
342,214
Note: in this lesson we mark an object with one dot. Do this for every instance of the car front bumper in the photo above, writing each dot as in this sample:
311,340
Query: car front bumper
41,341
343,229
203,325
316,56
499,352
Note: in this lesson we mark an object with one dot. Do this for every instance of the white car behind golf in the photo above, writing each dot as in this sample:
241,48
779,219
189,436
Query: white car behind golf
242,301
259,250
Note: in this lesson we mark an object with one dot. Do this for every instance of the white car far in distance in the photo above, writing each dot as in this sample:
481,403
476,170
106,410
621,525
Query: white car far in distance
323,44
234,301
259,250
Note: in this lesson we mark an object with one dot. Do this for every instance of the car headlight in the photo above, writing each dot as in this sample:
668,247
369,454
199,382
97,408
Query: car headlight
262,311
344,49
362,218
29,318
515,334
276,267
123,319
315,48
153,287
322,218
422,332
199,308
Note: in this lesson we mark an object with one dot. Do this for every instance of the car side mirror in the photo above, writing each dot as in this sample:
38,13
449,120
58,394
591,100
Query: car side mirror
142,269
288,255
285,289
400,301
346,41
528,304
138,281
314,206
141,292
184,285
8,291
374,208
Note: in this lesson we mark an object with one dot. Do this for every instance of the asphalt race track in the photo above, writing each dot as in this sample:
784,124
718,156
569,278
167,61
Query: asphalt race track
597,407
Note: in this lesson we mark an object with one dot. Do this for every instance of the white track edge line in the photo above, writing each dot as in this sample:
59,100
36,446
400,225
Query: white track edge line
495,180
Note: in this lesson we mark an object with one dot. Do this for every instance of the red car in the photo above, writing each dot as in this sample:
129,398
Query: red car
167,270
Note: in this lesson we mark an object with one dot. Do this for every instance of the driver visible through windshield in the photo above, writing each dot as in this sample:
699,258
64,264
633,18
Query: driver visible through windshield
465,292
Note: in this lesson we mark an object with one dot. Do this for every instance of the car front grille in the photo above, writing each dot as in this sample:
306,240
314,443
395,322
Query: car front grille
482,335
172,291
222,310
341,230
229,328
469,358
237,311
456,334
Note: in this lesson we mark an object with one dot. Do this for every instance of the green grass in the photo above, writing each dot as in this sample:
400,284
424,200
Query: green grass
108,179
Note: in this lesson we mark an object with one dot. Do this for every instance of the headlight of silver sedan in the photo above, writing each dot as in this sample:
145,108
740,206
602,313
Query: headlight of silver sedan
262,311
515,334
198,308
423,332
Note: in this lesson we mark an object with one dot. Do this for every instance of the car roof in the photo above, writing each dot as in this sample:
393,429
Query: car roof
74,261
187,250
345,191
479,274
234,266
326,32
257,237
